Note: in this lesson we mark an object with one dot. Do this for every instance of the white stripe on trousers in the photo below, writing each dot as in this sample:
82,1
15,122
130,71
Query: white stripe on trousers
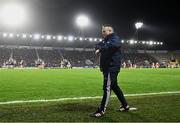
108,90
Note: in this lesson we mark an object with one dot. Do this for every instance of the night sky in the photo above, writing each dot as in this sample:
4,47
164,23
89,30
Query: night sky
161,18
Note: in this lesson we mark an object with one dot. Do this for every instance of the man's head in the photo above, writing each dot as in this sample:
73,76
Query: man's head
107,30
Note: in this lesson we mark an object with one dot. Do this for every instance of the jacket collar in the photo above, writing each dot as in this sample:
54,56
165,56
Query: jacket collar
109,36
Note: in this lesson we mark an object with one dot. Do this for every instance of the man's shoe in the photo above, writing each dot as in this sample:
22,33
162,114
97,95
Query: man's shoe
122,108
98,113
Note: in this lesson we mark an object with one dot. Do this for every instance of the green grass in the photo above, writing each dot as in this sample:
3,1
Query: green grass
16,84
154,109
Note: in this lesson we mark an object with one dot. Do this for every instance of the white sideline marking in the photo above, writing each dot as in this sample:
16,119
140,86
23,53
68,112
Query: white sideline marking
83,98
132,109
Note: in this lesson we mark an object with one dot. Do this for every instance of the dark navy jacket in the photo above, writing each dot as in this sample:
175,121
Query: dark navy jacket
110,49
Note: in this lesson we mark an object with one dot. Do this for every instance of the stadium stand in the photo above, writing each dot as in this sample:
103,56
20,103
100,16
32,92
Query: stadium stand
78,57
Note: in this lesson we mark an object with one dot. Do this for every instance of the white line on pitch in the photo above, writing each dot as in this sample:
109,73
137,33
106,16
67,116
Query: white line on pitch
83,98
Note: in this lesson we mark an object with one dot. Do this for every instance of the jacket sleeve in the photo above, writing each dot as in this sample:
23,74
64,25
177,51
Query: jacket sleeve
100,46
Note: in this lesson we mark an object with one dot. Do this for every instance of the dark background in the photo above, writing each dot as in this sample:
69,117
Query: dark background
161,18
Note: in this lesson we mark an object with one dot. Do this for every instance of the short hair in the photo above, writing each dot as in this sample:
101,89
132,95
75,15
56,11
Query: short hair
108,25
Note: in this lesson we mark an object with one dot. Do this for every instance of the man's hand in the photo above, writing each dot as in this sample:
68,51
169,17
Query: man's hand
97,52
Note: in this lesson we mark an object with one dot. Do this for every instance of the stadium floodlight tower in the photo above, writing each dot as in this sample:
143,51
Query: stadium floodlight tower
138,26
82,21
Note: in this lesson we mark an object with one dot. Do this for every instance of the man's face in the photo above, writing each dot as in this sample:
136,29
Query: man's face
106,31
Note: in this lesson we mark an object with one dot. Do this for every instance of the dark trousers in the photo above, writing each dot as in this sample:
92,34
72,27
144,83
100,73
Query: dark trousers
110,83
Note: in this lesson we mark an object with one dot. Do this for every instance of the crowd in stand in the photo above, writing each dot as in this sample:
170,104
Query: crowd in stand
71,58
134,60
50,58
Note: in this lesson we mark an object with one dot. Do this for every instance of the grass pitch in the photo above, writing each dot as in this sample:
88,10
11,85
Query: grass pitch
23,84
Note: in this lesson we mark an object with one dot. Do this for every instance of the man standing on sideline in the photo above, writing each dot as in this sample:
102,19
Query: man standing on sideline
110,62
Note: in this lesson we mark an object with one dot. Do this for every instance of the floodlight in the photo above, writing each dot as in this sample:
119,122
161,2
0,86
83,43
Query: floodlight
4,34
70,38
17,35
60,37
42,37
65,38
24,36
80,38
90,39
82,21
11,35
54,37
138,25
13,15
151,43
36,36
30,36
131,41
48,37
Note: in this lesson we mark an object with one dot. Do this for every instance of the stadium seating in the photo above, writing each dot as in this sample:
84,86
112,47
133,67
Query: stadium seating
53,57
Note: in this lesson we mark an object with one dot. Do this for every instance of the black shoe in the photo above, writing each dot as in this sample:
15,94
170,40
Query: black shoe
122,108
98,113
